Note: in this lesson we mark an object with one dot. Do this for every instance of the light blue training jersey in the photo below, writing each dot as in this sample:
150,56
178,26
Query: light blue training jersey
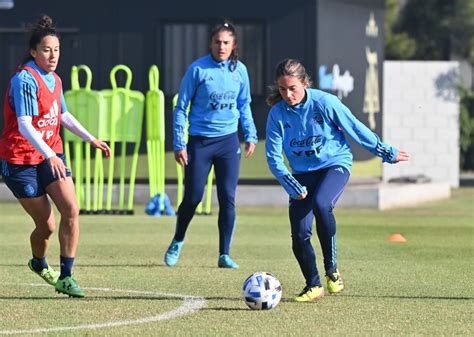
23,89
312,136
219,97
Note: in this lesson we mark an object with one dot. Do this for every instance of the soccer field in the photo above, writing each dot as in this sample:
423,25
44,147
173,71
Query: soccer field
421,287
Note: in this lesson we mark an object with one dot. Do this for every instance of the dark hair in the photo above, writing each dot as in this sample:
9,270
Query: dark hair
227,26
37,31
287,67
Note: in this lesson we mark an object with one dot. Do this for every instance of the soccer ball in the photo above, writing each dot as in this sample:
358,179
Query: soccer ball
262,291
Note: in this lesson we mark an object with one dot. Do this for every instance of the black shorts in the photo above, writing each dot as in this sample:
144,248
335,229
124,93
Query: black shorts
29,181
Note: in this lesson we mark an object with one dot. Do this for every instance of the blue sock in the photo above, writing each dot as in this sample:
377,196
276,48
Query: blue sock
66,266
39,263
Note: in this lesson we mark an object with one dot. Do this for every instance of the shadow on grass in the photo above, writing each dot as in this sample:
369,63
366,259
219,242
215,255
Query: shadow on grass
403,297
135,265
92,298
224,309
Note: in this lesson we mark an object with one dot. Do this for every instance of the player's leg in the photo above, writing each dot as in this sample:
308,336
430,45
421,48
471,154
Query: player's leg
331,184
227,169
196,172
63,195
22,180
301,220
42,214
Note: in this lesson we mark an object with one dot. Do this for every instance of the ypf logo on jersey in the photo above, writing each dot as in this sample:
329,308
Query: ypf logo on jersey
49,119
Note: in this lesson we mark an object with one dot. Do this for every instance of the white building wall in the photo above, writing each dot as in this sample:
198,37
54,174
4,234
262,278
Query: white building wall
421,116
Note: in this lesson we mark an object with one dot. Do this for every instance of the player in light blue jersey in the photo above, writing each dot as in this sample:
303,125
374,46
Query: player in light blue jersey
309,126
217,88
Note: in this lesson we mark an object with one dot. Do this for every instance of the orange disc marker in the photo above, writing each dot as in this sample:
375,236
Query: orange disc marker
397,238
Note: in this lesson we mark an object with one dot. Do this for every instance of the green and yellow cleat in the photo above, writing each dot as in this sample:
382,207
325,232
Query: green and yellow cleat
49,275
68,286
335,283
310,294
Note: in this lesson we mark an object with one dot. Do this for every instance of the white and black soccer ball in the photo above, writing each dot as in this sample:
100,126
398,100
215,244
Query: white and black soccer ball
262,291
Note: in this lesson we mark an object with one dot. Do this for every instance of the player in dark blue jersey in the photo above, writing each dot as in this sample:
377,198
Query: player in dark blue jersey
217,88
309,126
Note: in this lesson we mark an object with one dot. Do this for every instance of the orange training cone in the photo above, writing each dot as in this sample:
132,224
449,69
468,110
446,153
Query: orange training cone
397,238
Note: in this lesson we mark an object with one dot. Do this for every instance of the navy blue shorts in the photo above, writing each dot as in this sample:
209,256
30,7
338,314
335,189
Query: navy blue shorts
29,181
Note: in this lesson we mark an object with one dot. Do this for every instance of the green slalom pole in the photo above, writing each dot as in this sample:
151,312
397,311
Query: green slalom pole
209,191
134,129
68,136
111,107
155,129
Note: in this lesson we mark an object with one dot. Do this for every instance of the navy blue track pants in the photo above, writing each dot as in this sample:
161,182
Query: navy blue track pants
324,188
203,152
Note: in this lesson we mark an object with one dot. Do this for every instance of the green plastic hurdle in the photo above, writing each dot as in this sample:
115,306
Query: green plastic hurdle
180,178
87,106
155,131
124,114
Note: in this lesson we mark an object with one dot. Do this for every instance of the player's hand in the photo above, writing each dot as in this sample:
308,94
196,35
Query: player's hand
57,167
98,144
181,157
302,196
402,156
249,148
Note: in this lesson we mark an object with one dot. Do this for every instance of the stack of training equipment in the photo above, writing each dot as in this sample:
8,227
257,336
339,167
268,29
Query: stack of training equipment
124,116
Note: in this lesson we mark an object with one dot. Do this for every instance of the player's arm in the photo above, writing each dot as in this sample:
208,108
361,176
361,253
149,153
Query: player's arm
187,90
274,154
361,134
246,119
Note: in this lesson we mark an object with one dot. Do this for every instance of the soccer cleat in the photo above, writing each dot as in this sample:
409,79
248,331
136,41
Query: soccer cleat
68,286
335,283
173,253
310,294
226,262
48,274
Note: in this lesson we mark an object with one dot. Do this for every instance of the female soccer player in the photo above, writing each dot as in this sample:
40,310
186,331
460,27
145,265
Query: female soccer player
31,153
309,125
217,86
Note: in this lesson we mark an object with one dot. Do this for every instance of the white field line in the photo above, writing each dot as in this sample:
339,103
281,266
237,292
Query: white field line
190,304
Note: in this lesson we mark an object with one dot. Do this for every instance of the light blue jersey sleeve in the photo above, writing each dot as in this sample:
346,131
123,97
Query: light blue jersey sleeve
274,154
187,90
243,105
63,103
361,134
22,94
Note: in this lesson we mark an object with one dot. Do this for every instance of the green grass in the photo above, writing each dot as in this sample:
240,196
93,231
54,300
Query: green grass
422,287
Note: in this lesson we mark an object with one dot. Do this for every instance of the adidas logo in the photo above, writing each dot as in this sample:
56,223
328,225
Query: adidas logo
210,78
286,125
53,112
49,119
339,169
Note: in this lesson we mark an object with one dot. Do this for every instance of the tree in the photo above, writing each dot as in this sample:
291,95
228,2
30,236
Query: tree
441,28
398,46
